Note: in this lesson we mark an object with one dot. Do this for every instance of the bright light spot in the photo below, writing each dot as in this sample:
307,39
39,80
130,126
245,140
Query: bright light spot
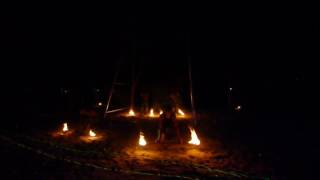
131,113
65,127
161,112
194,138
100,104
180,112
142,141
151,113
92,134
238,108
230,89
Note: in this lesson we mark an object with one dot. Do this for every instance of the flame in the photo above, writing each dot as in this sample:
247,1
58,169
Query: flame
161,112
180,112
151,113
142,141
65,127
194,138
92,134
131,113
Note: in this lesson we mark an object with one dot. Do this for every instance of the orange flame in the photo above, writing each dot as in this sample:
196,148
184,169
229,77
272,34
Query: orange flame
180,112
65,127
194,138
92,134
142,141
131,113
151,113
161,112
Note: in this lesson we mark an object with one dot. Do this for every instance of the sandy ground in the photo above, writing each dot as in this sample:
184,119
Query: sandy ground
115,154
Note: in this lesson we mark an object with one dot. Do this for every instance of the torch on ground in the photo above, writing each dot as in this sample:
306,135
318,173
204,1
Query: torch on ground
128,148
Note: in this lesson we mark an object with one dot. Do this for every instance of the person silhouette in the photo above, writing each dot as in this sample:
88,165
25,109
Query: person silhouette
168,120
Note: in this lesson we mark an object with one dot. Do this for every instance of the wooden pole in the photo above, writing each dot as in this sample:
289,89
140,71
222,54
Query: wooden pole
133,86
191,93
191,84
112,87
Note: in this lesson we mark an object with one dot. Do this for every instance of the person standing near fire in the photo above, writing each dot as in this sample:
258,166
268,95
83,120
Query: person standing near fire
168,120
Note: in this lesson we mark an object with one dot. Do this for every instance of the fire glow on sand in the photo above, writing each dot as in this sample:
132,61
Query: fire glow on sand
151,113
181,112
142,141
131,113
65,127
92,136
194,138
64,131
161,112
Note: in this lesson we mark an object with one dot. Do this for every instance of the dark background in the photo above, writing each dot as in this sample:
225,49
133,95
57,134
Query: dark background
266,56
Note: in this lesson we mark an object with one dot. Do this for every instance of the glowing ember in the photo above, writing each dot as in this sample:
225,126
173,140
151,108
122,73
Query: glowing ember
142,141
92,134
65,127
100,104
151,113
194,138
131,113
180,112
161,112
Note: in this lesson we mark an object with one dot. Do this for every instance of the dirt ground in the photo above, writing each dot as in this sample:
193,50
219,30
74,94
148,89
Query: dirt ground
115,154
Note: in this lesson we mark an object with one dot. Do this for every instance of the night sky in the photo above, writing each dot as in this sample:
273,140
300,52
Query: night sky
265,56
